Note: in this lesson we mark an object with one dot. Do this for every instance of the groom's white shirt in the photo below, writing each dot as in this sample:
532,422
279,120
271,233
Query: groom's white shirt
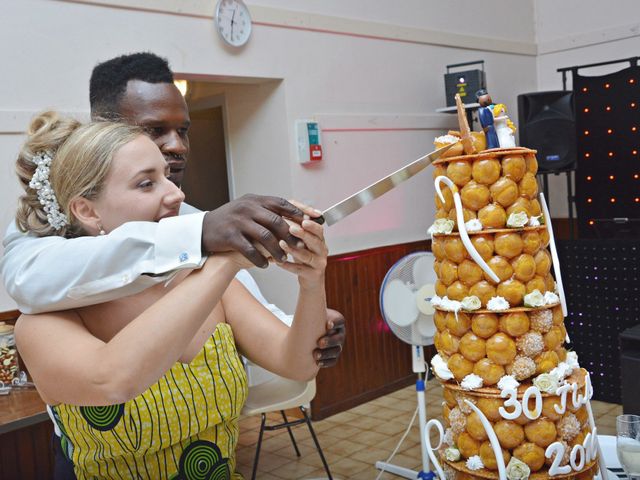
44,274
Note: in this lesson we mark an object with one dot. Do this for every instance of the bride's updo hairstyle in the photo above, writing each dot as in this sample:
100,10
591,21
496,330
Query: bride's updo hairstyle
81,157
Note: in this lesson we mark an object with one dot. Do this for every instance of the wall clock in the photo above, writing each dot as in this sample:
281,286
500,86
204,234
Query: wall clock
233,22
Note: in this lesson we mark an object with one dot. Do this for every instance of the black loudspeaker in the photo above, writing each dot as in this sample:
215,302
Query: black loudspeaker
546,121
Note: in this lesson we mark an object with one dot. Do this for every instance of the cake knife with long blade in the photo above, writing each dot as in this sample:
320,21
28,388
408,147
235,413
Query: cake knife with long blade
359,199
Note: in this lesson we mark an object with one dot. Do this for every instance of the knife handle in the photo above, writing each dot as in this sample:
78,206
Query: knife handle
319,220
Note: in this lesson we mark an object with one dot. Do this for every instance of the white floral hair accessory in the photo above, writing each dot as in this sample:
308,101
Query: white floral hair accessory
40,183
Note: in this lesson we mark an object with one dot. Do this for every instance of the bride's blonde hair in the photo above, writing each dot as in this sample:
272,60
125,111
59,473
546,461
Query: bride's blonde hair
81,159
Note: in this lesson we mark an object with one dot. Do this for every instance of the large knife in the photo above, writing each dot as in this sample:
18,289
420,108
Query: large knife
358,200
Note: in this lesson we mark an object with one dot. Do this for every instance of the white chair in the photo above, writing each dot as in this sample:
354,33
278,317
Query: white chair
280,394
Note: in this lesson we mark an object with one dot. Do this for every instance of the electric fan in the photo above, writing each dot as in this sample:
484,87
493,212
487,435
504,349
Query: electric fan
405,303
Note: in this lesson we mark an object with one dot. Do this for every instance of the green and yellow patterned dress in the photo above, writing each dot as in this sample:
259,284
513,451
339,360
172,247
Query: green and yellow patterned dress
185,426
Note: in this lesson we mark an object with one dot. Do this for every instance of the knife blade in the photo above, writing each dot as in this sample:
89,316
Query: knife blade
359,199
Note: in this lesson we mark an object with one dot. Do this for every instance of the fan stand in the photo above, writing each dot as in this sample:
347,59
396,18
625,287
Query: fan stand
419,367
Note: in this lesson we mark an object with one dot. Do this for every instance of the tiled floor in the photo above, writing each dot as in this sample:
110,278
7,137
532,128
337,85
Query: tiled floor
354,440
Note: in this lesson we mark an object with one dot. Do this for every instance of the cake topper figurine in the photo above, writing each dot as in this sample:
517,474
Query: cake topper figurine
465,131
504,126
485,115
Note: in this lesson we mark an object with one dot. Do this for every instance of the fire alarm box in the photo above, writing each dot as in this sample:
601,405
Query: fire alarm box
309,141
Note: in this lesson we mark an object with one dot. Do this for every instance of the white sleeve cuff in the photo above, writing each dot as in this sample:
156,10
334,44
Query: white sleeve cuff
178,243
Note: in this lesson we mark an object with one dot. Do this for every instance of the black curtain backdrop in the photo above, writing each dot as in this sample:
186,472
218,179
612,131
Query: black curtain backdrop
602,288
608,173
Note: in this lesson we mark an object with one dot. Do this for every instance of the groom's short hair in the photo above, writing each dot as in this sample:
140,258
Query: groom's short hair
109,80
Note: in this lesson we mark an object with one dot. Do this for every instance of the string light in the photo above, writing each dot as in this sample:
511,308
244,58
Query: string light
634,152
634,129
586,110
591,222
589,177
586,132
612,177
633,104
589,200
610,154
585,89
636,176
608,109
607,85
587,155
637,200
612,200
632,81
610,131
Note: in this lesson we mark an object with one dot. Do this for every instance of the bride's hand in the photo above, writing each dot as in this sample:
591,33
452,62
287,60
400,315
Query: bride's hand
310,257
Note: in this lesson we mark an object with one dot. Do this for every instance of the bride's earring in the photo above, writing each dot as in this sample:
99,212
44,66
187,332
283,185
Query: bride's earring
101,230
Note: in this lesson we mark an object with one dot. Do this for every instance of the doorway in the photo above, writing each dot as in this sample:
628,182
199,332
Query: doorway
206,179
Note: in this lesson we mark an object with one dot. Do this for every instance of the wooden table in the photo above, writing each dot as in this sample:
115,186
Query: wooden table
25,436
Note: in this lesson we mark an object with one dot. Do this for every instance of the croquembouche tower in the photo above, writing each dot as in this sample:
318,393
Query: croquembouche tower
516,400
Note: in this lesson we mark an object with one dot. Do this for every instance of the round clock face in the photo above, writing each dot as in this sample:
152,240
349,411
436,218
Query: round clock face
233,22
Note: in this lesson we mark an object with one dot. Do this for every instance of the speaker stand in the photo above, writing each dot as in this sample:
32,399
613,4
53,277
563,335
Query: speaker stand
570,197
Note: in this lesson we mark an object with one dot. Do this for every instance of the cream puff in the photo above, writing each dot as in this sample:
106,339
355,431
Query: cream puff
492,216
459,172
474,195
486,171
508,244
484,325
514,167
504,191
501,349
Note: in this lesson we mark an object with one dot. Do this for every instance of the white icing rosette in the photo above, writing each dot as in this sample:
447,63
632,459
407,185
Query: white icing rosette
572,360
562,371
450,305
471,303
473,225
507,382
436,301
441,225
547,382
452,454
446,139
471,382
535,221
440,368
534,299
475,463
497,304
551,298
517,220
517,470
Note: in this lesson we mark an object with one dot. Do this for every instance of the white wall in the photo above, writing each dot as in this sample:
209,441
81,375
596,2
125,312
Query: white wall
573,33
371,72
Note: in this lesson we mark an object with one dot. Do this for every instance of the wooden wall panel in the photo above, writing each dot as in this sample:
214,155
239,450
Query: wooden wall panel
26,453
373,362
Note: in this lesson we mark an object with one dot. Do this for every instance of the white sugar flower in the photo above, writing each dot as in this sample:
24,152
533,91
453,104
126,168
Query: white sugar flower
517,220
546,382
452,454
441,225
471,303
517,470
